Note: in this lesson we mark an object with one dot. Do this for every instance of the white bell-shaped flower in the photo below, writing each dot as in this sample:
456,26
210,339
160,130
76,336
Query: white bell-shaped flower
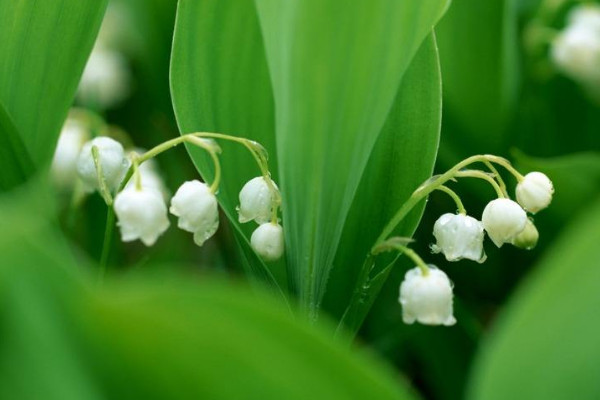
256,201
197,209
576,50
111,157
427,298
503,220
141,214
267,241
70,142
459,236
534,192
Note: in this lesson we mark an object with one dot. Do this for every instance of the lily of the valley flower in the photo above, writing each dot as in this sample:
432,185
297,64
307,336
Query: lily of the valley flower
576,50
142,214
197,209
267,241
111,157
427,298
459,236
535,191
256,201
503,219
64,164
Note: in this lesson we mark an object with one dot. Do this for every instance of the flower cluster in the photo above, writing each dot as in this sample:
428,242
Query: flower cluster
576,50
140,196
426,292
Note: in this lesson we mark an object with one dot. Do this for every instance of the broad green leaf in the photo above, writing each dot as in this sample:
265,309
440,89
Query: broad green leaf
15,162
43,49
545,345
401,160
220,83
335,68
478,52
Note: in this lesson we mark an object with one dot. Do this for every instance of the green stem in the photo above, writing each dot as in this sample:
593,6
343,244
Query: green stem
215,159
481,175
452,193
498,177
432,184
107,243
104,191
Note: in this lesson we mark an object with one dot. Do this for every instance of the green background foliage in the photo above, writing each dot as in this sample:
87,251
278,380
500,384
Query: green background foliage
347,99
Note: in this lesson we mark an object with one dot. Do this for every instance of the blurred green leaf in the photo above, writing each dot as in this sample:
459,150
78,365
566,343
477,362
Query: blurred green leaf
162,338
15,163
401,160
478,51
545,345
43,49
220,83
335,69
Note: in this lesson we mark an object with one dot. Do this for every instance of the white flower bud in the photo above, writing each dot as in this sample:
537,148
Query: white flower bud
427,299
503,220
64,164
576,50
142,214
459,236
111,157
256,201
106,79
528,238
196,207
267,241
534,192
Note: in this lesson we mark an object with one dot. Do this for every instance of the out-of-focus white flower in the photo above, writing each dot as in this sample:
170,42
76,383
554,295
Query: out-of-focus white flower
196,207
528,238
576,50
267,241
142,214
503,220
459,236
534,192
106,79
585,15
111,157
73,136
256,201
427,298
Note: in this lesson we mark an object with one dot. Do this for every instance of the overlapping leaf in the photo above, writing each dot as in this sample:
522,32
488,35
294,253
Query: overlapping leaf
335,69
43,48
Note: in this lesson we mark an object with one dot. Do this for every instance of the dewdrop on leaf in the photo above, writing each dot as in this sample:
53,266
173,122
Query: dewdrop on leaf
503,220
256,201
534,192
197,209
267,241
459,236
427,298
141,214
111,157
